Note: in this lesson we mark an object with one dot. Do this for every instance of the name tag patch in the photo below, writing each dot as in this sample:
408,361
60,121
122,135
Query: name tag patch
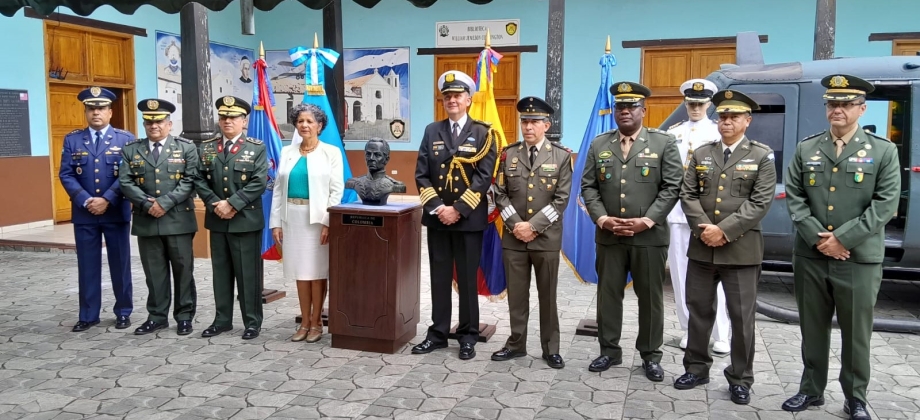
746,167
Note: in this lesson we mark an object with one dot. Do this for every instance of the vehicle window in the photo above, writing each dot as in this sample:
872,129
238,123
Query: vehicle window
768,124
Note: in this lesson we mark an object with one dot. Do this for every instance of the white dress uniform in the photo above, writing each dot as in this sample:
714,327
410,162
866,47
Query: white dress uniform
690,135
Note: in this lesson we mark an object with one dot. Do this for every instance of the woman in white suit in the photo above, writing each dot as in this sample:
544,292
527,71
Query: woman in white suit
310,180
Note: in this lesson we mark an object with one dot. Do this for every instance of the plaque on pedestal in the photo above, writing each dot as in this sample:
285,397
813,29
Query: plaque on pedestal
374,275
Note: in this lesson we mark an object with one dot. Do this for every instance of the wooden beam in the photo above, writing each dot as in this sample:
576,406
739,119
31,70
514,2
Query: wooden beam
335,77
554,55
679,42
476,50
825,25
892,36
82,21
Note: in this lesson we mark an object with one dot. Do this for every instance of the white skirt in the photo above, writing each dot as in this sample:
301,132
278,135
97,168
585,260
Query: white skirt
303,258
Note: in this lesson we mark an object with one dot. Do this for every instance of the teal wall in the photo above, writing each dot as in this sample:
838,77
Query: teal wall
788,23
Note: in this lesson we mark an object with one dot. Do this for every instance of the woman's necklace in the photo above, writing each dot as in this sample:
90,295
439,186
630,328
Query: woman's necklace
306,151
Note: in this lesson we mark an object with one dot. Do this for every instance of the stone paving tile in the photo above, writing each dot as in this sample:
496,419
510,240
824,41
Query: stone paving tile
48,372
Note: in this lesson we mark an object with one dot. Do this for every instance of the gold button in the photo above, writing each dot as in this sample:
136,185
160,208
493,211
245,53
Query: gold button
442,165
456,190
624,166
622,209
158,181
439,188
529,211
97,181
717,212
158,191
97,171
135,173
721,188
225,190
440,176
685,167
718,200
157,170
529,185
831,208
723,176
227,169
531,174
835,169
186,209
622,181
225,178
97,191
622,195
529,198
456,178
829,227
833,189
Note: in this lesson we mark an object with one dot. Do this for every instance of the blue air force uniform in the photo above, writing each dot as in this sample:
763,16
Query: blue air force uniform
89,168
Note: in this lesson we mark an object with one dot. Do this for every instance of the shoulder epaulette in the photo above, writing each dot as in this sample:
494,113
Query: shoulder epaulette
75,131
253,141
614,131
708,143
760,145
135,141
559,145
676,125
184,140
118,130
655,130
485,123
877,136
211,140
814,135
510,145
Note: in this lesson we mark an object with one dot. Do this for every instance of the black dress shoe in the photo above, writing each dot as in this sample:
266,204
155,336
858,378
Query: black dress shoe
251,333
122,322
506,354
83,326
689,381
467,351
856,409
603,363
149,327
427,346
740,394
554,361
184,328
214,331
801,402
653,371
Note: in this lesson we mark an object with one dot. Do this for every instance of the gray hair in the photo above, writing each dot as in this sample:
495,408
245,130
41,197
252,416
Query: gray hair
383,144
318,114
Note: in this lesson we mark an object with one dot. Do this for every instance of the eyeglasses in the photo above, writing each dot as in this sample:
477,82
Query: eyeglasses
628,105
843,105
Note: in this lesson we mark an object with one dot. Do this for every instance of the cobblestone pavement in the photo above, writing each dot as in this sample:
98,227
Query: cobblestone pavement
49,372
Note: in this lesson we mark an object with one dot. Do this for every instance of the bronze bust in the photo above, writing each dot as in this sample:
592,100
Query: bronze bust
375,187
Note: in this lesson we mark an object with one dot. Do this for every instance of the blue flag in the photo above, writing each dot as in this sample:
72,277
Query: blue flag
578,249
262,125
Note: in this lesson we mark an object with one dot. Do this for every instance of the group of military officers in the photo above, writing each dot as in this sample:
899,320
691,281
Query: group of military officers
633,179
111,176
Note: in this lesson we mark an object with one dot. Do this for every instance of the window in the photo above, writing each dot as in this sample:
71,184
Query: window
768,125
378,94
379,112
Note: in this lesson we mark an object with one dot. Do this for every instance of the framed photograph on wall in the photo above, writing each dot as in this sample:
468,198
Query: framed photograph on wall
377,94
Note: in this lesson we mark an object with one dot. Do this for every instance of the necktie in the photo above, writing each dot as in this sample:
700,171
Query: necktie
726,154
533,155
98,138
227,147
625,144
456,132
840,146
156,151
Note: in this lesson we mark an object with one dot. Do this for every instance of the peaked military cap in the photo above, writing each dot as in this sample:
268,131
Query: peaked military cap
843,87
96,96
534,108
231,106
155,109
629,92
698,90
456,81
734,101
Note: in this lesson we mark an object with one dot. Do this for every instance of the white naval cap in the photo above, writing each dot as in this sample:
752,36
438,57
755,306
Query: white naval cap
698,90
456,81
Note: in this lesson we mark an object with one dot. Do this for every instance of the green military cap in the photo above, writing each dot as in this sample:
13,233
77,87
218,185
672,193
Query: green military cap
534,108
629,92
728,101
155,109
231,106
843,87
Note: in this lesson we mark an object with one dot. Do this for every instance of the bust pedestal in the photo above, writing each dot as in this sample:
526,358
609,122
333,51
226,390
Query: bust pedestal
374,273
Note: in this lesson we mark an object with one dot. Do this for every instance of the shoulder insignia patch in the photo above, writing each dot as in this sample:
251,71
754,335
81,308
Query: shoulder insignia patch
814,135
184,140
118,130
876,136
510,145
655,130
485,123
135,141
211,140
676,125
253,140
75,131
559,145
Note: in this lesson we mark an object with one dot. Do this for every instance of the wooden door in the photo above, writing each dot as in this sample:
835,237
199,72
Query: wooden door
506,87
664,69
85,57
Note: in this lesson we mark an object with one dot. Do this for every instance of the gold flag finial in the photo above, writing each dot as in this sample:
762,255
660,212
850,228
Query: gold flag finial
488,38
315,40
607,48
261,50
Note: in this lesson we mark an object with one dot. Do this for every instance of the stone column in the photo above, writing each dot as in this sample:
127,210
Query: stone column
554,55
197,104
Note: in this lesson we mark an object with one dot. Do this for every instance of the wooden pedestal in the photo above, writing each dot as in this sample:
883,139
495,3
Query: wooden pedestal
587,328
374,273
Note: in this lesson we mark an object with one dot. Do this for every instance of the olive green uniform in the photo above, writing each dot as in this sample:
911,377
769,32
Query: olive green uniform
238,175
854,196
164,243
645,183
